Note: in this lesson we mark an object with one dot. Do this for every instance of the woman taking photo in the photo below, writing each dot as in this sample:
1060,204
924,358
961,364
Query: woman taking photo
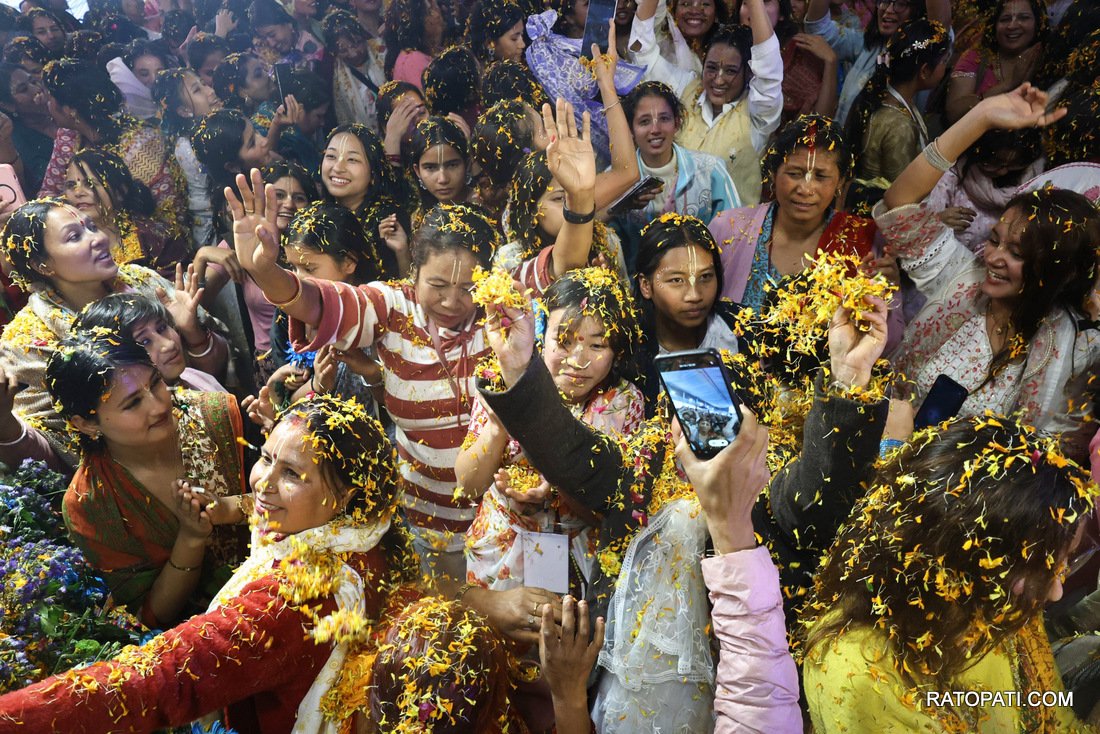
64,261
143,448
1005,325
99,184
325,491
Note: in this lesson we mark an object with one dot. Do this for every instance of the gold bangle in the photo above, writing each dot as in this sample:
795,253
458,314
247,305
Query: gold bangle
297,294
185,569
246,504
462,591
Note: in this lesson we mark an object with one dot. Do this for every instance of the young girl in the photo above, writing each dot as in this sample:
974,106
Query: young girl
494,31
677,286
355,175
184,98
426,332
400,107
591,332
733,105
885,124
283,38
146,321
99,184
694,184
357,72
324,241
242,83
534,223
440,158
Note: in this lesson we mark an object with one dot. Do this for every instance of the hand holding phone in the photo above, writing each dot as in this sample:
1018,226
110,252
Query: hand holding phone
943,402
729,484
706,407
636,196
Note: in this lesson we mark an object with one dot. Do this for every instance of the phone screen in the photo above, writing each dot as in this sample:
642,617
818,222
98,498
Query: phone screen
282,80
597,25
943,402
704,405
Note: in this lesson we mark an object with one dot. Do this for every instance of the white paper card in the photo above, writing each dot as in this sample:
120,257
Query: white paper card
546,561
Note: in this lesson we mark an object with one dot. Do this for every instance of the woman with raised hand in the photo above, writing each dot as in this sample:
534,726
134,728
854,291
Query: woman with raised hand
426,332
327,552
64,261
656,670
1008,325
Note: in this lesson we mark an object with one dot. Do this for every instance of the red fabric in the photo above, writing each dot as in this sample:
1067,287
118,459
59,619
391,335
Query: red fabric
251,655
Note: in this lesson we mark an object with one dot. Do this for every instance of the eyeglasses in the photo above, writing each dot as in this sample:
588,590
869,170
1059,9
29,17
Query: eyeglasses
898,4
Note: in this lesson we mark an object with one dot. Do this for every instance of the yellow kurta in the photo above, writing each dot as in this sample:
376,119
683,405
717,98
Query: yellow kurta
729,139
852,687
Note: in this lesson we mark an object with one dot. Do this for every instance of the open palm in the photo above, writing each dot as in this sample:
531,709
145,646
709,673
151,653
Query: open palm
255,234
569,156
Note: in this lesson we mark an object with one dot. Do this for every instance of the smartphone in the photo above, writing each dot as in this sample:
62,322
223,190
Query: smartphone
597,26
944,400
708,409
282,81
625,203
11,193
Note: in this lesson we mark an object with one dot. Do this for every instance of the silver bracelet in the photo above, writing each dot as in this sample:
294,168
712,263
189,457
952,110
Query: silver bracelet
935,158
203,353
22,435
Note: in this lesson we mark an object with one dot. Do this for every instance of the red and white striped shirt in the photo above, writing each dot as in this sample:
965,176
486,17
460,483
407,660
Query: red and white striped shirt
428,392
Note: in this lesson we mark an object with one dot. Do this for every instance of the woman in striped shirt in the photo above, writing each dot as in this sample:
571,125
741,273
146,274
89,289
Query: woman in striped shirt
426,331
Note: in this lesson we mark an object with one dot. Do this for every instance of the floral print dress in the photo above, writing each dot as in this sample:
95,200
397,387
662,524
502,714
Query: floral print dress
494,559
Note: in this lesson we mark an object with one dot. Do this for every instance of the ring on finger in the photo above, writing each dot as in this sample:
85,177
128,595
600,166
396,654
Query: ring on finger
533,622
537,606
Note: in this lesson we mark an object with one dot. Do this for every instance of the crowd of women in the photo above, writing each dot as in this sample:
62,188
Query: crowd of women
345,318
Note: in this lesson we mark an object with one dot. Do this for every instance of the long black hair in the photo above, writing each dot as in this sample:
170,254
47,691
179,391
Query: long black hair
217,140
79,374
333,230
88,89
488,21
913,46
127,193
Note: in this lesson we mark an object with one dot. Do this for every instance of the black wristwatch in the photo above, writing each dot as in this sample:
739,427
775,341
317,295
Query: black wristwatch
574,218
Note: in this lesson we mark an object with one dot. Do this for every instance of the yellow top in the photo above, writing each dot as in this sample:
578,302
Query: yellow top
852,686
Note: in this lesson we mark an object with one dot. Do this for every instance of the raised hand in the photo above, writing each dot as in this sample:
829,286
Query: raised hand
604,65
511,333
217,256
854,348
255,234
570,157
183,304
1023,107
324,370
260,410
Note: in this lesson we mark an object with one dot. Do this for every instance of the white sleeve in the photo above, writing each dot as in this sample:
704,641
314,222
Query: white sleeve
765,91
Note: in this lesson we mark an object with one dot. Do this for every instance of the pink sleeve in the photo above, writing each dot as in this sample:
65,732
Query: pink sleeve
64,147
736,232
31,445
410,66
1094,457
350,317
967,65
757,688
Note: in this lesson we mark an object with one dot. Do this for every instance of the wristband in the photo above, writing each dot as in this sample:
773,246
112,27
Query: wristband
574,218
